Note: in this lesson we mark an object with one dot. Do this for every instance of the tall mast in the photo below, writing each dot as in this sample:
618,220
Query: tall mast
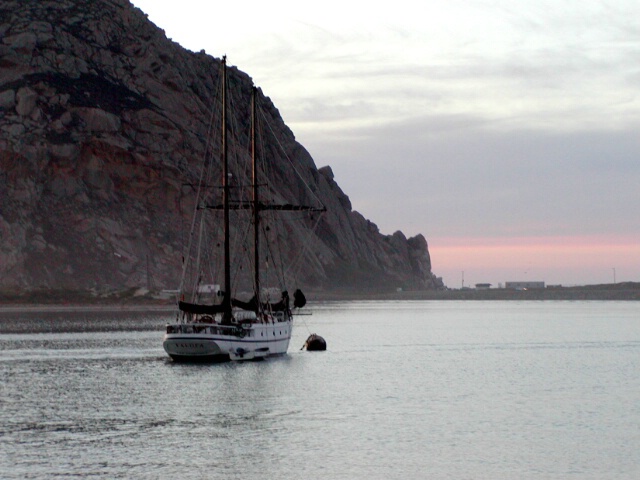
225,198
256,200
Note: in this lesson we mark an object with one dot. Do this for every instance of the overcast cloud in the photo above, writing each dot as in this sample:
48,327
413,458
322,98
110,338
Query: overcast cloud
461,120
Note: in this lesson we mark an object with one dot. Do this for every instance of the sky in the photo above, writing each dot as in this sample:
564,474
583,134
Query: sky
504,131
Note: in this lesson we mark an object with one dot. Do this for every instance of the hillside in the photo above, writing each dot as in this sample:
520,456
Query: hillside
102,121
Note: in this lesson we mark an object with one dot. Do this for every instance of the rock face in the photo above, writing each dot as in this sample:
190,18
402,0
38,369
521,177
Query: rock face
102,118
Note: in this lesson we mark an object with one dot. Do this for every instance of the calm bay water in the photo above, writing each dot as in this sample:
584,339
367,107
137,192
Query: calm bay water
439,390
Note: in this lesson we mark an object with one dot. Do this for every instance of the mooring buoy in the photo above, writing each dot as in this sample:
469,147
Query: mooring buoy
315,343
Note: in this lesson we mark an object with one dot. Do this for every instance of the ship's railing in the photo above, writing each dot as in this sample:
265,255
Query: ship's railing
282,316
192,328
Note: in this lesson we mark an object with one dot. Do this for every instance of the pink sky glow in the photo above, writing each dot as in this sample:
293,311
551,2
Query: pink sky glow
555,260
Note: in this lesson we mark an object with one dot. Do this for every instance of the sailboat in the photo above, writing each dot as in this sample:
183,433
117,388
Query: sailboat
225,327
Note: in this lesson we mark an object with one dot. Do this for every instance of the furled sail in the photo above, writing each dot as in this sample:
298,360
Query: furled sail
299,300
199,309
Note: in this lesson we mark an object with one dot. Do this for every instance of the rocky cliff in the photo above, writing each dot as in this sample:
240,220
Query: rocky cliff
102,118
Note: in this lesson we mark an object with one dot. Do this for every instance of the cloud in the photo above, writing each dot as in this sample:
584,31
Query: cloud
460,119
463,176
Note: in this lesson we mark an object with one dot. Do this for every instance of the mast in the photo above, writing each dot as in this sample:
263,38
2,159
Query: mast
256,200
226,302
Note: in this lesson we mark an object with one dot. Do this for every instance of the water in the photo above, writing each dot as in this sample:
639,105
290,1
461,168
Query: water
439,390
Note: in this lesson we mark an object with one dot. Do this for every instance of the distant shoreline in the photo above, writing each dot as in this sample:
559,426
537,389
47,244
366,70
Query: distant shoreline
67,300
619,292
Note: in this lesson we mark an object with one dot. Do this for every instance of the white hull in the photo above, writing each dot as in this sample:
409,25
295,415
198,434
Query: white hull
212,343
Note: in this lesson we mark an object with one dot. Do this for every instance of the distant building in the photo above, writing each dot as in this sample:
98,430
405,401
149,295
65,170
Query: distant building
523,285
483,286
